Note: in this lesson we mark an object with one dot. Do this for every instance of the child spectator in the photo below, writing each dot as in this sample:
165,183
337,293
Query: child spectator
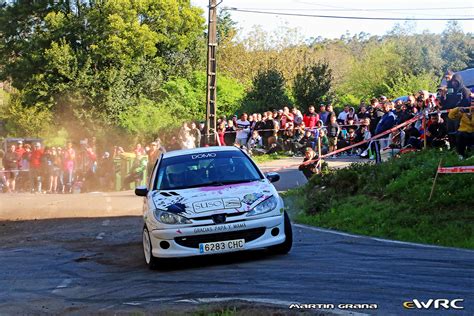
255,144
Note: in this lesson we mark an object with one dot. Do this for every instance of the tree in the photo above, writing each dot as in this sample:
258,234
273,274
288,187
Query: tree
457,47
313,85
226,27
89,61
268,92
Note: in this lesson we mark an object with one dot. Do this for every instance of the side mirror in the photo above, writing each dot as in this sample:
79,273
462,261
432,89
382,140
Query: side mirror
273,176
141,191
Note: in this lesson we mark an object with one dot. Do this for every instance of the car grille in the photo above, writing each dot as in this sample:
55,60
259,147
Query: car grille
194,241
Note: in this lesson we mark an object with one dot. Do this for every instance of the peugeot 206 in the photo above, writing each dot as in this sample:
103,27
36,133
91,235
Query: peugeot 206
208,201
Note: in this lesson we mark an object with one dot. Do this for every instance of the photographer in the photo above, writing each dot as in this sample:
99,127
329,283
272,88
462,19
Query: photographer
310,168
465,135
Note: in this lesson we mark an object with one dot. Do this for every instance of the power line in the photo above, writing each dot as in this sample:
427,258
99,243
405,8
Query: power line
383,9
346,17
357,9
346,10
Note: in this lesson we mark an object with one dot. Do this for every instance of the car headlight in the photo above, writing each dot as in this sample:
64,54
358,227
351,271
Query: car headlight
265,206
170,218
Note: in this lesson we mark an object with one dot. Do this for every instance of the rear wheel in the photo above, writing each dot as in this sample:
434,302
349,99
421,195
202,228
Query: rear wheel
150,260
285,246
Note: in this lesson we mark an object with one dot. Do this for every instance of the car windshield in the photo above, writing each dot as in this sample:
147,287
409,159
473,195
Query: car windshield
205,169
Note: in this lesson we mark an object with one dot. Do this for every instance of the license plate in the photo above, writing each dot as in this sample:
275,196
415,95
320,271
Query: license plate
222,246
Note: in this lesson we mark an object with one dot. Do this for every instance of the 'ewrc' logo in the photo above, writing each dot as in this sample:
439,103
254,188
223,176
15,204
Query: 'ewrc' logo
436,304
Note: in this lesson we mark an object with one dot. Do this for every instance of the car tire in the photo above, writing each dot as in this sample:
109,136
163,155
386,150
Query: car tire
150,260
284,247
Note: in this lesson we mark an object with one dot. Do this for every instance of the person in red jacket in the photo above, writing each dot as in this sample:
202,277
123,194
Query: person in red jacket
311,118
35,168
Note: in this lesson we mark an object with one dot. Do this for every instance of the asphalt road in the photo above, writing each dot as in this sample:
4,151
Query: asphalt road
86,265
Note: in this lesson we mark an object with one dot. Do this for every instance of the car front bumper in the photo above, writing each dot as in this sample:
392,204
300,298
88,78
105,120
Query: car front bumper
184,242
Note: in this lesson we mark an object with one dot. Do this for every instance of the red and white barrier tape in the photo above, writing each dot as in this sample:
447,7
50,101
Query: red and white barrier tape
393,129
460,169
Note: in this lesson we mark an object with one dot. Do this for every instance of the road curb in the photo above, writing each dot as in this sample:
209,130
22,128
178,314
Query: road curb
336,232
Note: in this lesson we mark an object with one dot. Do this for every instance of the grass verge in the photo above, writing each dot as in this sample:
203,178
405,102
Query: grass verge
268,157
390,200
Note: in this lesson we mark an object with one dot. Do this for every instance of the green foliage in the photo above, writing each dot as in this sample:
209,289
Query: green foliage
391,200
226,27
191,94
179,100
457,47
268,92
346,99
407,84
368,75
26,121
312,85
90,61
147,118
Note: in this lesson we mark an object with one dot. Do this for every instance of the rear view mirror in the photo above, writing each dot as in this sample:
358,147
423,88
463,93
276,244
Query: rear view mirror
273,176
141,191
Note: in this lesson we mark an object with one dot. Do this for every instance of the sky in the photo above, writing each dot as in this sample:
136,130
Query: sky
333,28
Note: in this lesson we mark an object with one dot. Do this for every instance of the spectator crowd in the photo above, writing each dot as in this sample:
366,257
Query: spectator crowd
32,168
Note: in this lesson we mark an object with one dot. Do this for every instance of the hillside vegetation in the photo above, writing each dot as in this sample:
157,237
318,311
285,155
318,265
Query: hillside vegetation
391,200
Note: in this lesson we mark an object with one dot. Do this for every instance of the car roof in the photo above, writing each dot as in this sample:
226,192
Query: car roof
199,150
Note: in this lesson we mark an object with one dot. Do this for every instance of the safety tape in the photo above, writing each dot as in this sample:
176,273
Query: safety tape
393,129
460,169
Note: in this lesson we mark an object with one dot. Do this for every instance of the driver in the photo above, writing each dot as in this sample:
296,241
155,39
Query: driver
224,168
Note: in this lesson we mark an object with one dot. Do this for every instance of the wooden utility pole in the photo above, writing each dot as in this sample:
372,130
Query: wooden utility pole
211,75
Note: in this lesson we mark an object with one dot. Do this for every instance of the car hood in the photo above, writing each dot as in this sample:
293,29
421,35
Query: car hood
206,201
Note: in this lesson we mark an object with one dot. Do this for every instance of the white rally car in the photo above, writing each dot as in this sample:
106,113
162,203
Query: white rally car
211,200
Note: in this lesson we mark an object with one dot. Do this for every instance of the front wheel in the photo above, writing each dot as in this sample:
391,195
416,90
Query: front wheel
150,260
285,246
